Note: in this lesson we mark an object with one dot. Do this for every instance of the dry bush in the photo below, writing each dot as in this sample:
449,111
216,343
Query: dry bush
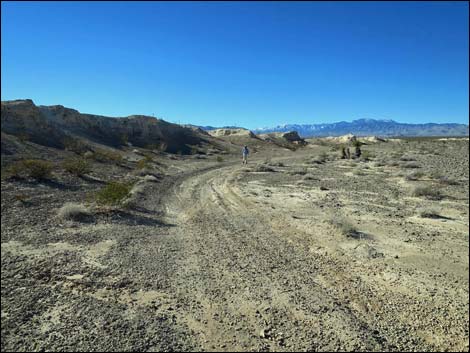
428,191
75,145
344,226
102,155
144,162
77,166
74,211
34,168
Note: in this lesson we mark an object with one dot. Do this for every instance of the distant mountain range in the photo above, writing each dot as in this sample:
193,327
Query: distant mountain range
368,127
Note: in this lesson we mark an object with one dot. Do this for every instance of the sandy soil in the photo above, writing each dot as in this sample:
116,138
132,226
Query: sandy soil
225,257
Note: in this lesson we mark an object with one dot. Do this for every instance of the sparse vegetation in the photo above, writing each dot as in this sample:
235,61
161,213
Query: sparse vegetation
428,191
113,193
75,145
77,166
74,211
344,226
429,212
144,162
34,168
102,155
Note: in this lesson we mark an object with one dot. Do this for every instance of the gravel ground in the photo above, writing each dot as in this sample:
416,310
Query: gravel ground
222,257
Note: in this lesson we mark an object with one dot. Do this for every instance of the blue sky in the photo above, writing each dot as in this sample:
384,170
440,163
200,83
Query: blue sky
238,63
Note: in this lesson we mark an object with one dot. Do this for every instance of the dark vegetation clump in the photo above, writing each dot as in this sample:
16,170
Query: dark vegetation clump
33,168
77,166
113,193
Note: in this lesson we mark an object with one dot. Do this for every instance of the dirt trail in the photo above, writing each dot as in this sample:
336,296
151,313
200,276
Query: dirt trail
222,257
247,278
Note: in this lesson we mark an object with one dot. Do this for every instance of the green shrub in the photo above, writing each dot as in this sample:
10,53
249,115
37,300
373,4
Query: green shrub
113,193
33,168
77,166
219,159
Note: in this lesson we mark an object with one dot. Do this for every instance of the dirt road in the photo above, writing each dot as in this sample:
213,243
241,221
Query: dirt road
227,259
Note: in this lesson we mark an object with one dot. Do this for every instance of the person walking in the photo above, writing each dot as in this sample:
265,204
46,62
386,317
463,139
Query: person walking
245,153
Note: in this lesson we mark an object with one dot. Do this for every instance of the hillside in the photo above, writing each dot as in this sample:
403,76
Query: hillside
58,126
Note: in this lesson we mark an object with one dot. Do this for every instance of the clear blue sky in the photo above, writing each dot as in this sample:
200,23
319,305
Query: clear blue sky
238,63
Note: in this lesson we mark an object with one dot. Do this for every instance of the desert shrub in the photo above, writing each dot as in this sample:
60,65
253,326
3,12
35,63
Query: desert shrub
414,176
73,211
219,159
429,212
113,193
33,168
430,192
75,145
144,162
77,166
344,226
410,165
102,155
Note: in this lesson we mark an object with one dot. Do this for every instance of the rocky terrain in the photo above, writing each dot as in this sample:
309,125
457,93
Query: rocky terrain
131,247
